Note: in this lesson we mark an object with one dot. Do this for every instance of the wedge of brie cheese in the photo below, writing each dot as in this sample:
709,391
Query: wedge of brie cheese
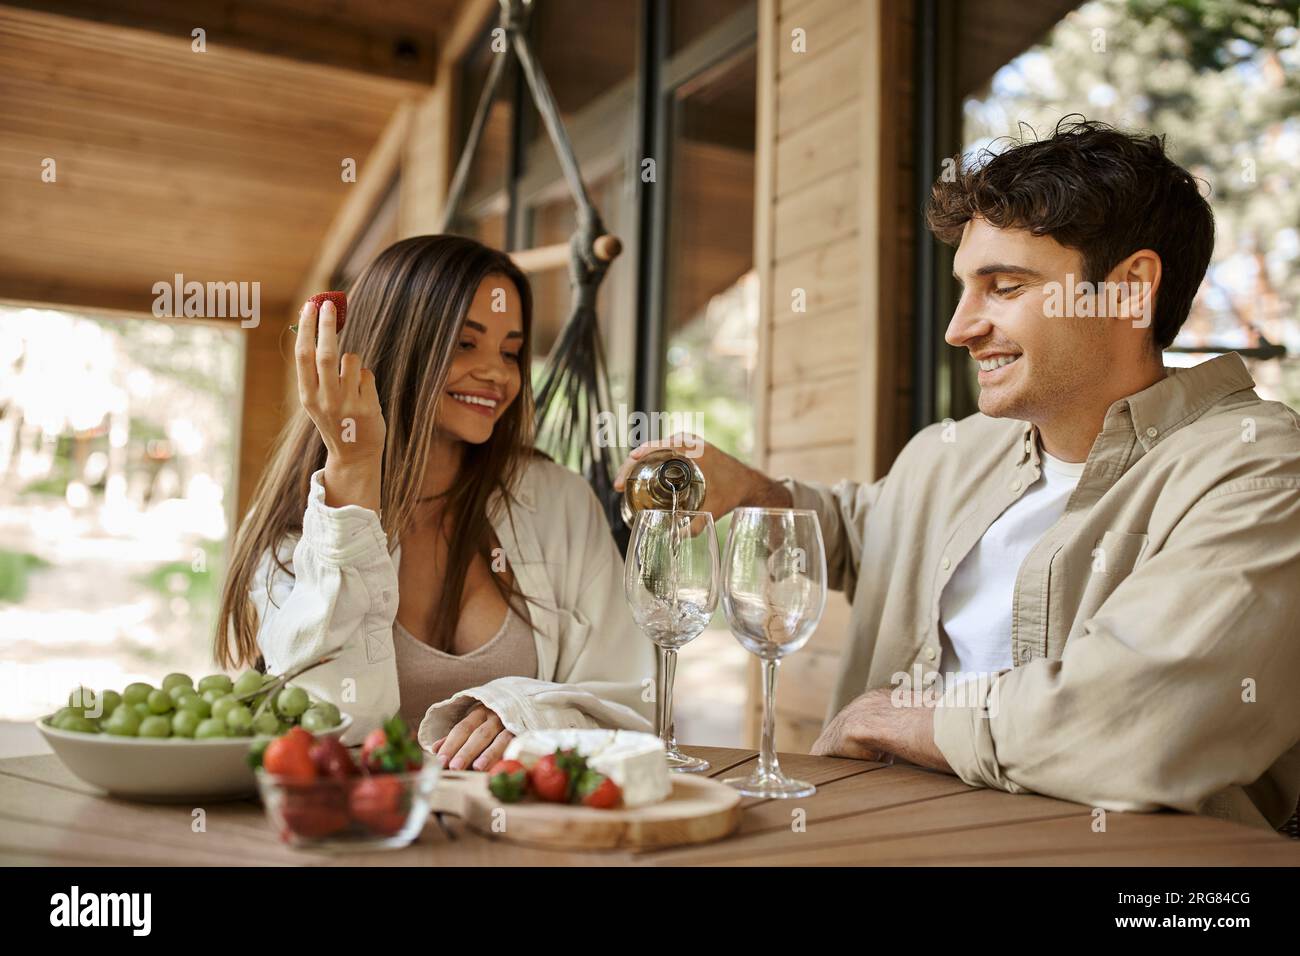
633,760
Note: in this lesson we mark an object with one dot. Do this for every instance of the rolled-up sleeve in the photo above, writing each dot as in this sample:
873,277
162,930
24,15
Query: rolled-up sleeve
1181,685
340,591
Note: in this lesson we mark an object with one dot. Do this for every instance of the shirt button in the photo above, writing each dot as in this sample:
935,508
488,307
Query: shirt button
1015,485
1025,655
1152,432
929,654
945,563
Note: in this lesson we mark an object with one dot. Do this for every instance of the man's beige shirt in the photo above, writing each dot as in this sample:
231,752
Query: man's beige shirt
1155,632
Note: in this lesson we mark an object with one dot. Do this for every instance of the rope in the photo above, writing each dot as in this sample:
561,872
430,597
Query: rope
574,389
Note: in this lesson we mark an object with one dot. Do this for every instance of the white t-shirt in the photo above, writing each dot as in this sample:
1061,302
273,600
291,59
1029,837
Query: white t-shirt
975,608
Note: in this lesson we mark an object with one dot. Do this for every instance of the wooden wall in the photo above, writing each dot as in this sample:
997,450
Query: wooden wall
834,219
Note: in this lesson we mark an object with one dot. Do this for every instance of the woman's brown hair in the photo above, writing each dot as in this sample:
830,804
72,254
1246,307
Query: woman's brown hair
405,313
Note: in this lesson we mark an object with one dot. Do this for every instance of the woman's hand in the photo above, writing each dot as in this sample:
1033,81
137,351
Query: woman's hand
477,742
341,399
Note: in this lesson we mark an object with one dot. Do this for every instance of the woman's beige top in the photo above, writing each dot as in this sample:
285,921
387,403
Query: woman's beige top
426,675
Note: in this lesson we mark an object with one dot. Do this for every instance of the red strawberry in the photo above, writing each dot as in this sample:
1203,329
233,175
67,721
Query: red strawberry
340,300
597,790
332,759
315,810
290,756
508,781
555,776
380,803
391,749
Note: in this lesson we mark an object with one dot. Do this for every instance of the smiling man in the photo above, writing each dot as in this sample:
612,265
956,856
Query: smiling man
1091,588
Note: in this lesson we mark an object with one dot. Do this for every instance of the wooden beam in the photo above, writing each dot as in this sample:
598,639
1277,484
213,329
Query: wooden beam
347,39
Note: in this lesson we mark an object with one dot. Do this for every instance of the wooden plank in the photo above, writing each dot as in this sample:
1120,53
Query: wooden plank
823,84
317,35
825,23
827,274
824,212
820,148
827,464
816,413
815,345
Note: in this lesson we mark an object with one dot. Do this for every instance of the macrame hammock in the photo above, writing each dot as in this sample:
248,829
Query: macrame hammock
574,387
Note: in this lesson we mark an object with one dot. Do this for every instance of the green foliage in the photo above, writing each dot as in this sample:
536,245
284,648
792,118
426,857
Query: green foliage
198,585
15,566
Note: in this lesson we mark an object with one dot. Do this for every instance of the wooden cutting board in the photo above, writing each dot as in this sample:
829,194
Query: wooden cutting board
698,810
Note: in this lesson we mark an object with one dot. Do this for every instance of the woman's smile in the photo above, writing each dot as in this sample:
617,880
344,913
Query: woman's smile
479,401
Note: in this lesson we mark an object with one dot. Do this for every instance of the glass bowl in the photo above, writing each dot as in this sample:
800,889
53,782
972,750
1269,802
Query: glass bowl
366,812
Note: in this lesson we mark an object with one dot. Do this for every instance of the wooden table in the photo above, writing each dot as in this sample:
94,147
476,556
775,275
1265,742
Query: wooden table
862,814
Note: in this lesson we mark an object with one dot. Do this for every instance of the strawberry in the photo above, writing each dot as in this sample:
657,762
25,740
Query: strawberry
332,759
508,781
290,756
554,776
380,803
597,790
391,749
314,810
340,300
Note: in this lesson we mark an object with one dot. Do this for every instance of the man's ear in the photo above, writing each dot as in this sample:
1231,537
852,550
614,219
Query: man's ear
1136,280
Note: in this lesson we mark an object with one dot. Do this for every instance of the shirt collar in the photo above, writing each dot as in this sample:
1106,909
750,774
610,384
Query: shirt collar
1182,396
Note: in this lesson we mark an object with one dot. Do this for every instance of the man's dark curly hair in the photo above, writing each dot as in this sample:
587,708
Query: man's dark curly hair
1101,191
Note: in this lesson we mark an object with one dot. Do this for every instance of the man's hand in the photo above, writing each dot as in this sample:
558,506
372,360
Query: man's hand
730,483
871,726
479,740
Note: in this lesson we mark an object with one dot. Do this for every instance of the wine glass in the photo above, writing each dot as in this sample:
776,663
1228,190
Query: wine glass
671,582
773,593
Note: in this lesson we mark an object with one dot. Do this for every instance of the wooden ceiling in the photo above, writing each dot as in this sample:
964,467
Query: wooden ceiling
223,165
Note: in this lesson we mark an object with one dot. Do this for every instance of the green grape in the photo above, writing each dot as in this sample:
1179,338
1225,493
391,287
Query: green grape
160,702
268,679
215,681
197,706
291,702
267,724
239,721
248,682
210,728
78,723
222,706
177,692
141,709
110,700
185,722
316,720
177,680
82,699
330,711
213,694
125,722
65,712
155,726
137,692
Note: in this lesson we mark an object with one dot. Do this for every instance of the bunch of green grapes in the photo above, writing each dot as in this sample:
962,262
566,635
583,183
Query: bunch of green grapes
215,707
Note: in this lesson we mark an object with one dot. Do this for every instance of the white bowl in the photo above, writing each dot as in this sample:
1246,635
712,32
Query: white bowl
161,770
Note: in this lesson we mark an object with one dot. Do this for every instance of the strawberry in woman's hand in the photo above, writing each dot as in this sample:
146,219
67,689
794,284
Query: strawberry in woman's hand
391,749
340,300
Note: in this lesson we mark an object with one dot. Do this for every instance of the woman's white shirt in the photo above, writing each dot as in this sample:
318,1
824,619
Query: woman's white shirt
594,668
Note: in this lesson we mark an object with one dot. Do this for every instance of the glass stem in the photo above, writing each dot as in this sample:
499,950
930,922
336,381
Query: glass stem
767,764
667,673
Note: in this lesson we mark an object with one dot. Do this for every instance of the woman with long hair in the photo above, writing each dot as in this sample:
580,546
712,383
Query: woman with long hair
470,583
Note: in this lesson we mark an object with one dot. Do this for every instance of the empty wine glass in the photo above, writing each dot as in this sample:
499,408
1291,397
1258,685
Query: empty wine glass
773,593
671,582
